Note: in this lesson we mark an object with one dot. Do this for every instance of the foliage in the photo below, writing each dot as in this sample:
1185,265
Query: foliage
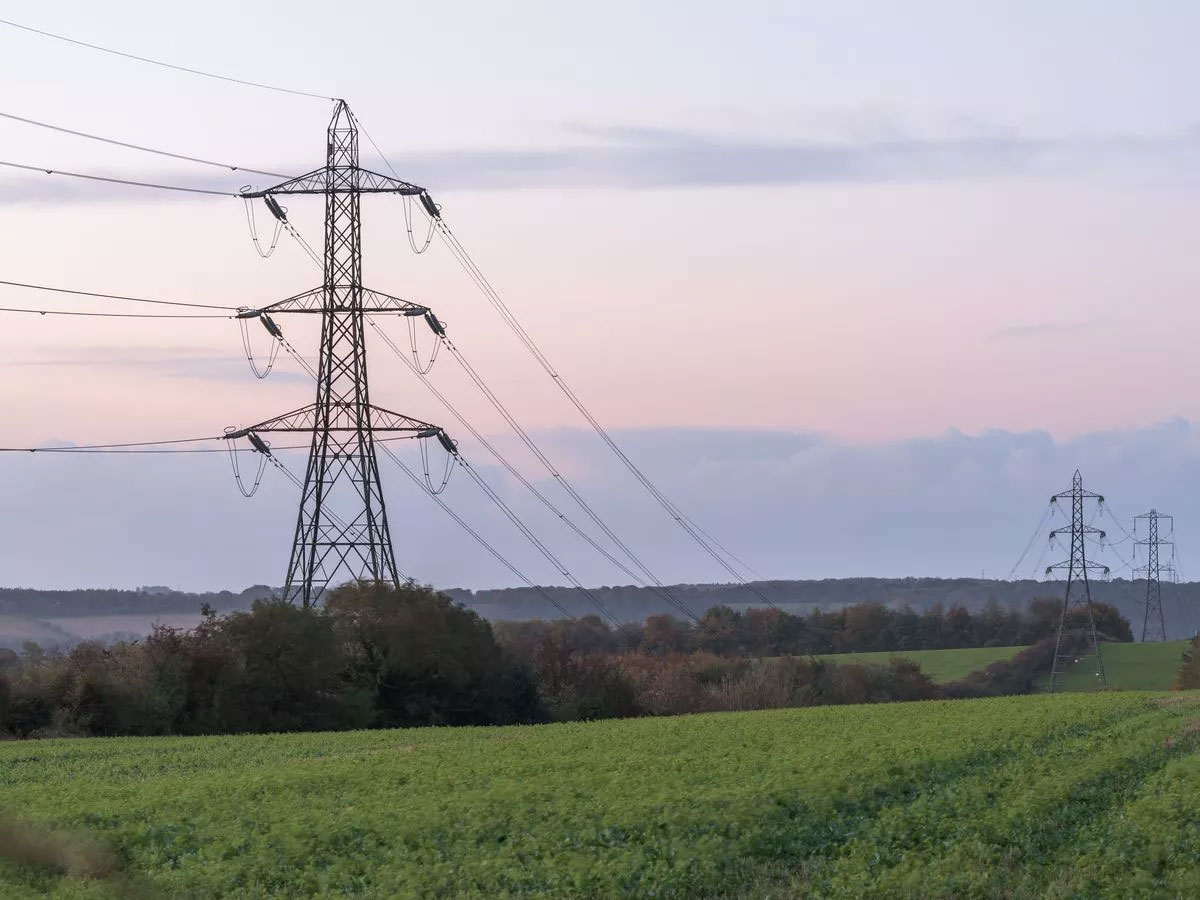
374,656
1188,676
1087,795
857,628
942,666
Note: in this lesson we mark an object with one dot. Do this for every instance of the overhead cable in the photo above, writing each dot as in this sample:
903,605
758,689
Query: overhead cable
515,326
77,447
58,290
126,144
416,369
107,315
165,65
562,480
125,181
512,470
434,493
416,479
1046,513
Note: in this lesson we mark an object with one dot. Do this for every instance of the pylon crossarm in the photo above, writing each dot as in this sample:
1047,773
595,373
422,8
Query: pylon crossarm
1083,529
339,180
1091,567
314,301
341,417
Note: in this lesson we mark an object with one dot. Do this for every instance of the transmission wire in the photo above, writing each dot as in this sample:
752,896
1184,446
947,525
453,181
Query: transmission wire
476,535
125,181
58,290
126,144
165,65
658,587
104,315
435,496
1046,513
673,511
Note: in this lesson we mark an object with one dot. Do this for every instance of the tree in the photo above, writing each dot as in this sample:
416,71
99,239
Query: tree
663,634
720,631
283,670
424,660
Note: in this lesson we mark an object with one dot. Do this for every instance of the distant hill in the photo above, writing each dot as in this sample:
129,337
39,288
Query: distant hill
1181,602
111,601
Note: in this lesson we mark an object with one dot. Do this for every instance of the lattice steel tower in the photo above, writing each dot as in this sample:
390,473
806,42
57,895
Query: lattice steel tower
1079,590
342,527
1153,617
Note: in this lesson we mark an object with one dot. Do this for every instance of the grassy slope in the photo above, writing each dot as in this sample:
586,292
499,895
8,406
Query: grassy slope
1130,667
940,665
1080,795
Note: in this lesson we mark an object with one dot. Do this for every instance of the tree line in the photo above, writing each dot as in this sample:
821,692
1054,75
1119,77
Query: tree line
375,656
861,627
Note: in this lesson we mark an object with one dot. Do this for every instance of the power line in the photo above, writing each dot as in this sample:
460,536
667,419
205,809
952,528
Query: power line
125,181
416,479
657,587
481,281
107,446
435,495
104,315
58,290
506,314
496,499
156,447
487,445
116,143
487,489
165,65
1046,513
536,541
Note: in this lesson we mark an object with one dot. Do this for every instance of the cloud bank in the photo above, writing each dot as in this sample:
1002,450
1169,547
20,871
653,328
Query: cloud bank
628,158
792,505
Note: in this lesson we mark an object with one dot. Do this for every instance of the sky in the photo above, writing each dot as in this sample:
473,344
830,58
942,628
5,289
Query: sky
859,284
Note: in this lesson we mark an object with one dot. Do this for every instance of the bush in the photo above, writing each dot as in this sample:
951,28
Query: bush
1188,676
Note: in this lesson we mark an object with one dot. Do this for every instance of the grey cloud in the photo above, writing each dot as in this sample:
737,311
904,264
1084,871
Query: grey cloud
1045,329
633,157
790,504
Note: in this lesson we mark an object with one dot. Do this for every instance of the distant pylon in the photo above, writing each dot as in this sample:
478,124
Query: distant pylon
1153,616
1079,591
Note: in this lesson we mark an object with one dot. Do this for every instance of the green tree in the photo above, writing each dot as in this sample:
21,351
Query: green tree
425,660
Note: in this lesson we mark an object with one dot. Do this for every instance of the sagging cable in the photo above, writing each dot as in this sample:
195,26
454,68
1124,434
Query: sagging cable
408,224
264,453
412,343
277,211
272,329
451,448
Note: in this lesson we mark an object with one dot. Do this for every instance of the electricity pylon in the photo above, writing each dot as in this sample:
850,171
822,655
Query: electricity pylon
1079,590
342,527
1153,616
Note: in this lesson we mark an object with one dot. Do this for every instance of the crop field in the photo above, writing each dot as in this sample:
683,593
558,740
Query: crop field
940,665
1130,667
1056,796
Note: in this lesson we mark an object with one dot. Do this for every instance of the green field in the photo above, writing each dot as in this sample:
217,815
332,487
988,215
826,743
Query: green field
1129,667
1048,796
940,665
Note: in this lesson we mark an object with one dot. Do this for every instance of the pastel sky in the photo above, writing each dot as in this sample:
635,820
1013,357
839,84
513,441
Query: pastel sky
860,251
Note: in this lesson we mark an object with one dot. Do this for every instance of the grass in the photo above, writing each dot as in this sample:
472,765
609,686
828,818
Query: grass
1084,795
1132,667
940,665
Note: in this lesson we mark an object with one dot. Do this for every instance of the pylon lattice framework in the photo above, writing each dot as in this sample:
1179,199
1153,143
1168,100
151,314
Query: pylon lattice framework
1078,594
1153,615
342,473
